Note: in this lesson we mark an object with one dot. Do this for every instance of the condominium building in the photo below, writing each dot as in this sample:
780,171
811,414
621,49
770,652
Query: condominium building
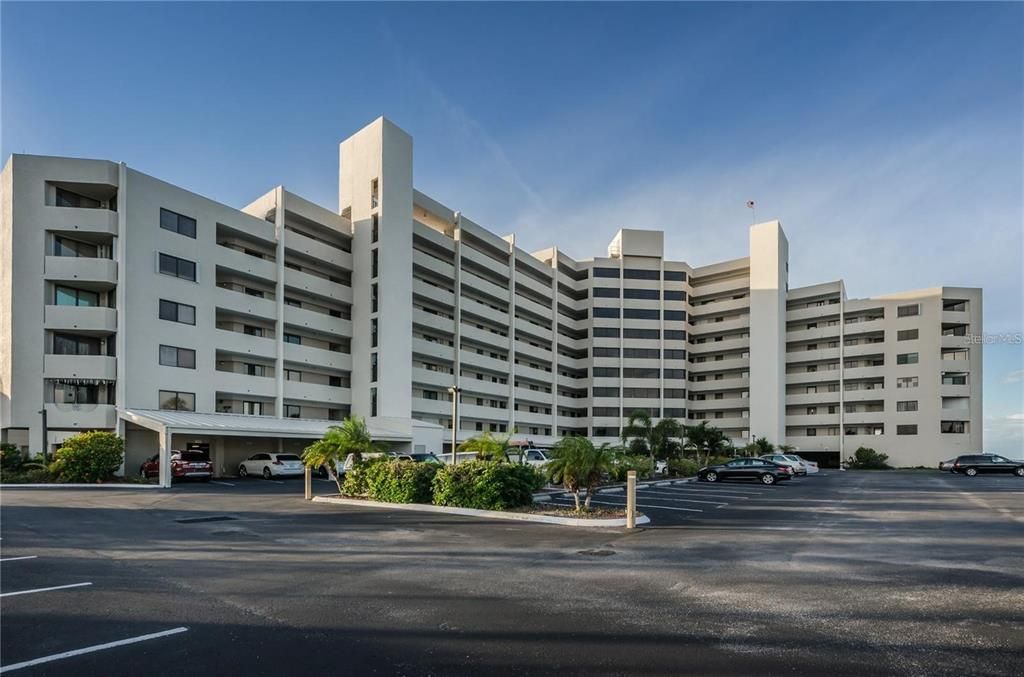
131,304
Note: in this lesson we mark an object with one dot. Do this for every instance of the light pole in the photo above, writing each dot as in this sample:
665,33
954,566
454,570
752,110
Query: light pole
46,435
454,391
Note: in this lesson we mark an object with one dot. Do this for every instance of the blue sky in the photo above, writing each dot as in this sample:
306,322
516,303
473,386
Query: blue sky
886,137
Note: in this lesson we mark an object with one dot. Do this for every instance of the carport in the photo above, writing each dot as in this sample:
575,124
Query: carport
230,438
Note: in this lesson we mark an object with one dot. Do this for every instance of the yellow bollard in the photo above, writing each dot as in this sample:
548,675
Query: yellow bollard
631,499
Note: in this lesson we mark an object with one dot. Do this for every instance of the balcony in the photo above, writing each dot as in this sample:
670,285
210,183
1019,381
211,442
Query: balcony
725,305
244,344
317,286
817,399
472,387
237,261
534,418
726,326
864,418
823,333
867,395
429,320
484,336
321,322
737,285
957,342
243,384
534,373
316,249
813,377
78,220
478,412
317,392
525,395
499,317
81,416
819,355
534,285
99,367
719,405
544,353
244,304
825,312
432,349
954,390
82,318
482,286
80,269
862,350
853,329
318,357
738,383
728,364
470,254
470,358
422,406
812,420
813,443
429,377
434,264
435,294
716,346
543,311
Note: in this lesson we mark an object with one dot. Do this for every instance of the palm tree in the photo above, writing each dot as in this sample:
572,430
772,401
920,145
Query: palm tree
665,439
351,437
576,463
786,448
762,446
636,434
704,438
488,447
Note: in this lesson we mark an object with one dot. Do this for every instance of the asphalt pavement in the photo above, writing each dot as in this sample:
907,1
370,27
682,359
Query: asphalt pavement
902,573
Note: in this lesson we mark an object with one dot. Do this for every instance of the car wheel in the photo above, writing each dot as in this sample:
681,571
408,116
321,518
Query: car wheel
242,472
971,472
767,478
711,477
266,473
1019,472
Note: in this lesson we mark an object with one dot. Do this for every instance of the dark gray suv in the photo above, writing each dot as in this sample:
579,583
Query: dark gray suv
974,464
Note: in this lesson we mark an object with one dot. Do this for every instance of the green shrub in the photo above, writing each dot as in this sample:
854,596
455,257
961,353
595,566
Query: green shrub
88,457
682,467
356,479
11,457
866,458
643,465
397,481
486,485
30,473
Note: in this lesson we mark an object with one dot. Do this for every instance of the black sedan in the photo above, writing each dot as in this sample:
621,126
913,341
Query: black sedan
765,472
974,464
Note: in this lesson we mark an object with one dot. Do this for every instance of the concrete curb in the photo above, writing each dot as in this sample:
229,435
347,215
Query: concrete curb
489,514
56,485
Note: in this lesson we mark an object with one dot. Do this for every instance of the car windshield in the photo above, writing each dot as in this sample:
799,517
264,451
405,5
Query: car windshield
795,459
194,456
288,457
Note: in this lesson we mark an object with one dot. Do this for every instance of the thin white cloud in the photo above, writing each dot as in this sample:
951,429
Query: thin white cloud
1015,376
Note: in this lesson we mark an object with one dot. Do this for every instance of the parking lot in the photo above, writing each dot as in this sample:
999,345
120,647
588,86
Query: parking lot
842,573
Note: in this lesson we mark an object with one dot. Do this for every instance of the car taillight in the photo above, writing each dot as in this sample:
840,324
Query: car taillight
956,464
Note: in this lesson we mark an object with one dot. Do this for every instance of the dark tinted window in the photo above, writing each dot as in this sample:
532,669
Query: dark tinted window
194,456
606,272
636,274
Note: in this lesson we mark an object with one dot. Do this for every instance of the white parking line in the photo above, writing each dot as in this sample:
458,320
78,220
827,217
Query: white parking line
15,559
56,587
91,649
641,505
675,497
223,484
712,492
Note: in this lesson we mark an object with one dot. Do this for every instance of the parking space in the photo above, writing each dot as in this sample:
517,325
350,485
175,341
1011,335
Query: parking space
841,573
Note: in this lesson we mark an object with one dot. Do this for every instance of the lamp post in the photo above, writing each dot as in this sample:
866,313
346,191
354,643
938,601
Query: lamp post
454,391
46,435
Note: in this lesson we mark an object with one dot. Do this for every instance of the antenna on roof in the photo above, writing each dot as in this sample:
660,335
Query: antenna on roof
753,212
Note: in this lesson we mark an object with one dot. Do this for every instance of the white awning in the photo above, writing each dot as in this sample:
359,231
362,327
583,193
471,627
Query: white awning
384,429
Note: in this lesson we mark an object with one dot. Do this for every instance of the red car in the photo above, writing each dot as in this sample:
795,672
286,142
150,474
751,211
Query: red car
184,465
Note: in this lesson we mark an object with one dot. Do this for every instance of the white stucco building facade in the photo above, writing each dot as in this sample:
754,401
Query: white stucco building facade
124,294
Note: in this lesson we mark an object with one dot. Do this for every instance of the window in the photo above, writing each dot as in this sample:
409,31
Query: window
373,298
182,268
606,293
65,198
906,358
606,312
954,306
606,332
63,246
635,372
906,334
605,392
171,356
252,408
675,315
374,262
637,274
177,401
177,223
373,367
608,412
294,303
68,296
374,193
908,311
177,312
954,379
606,272
648,294
292,411
373,401
605,352
255,369
250,330
374,228
955,427
671,295
674,373
906,405
674,275
293,338
908,429
641,313
675,394
292,375
906,382
606,372
675,335
69,344
373,332
812,432
675,354
641,333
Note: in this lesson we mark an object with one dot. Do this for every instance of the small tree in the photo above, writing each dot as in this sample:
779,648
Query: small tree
88,457
488,447
351,437
661,440
576,464
866,458
636,434
705,439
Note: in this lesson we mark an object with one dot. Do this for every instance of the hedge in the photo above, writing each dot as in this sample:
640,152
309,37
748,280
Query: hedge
486,485
643,465
397,481
88,457
683,467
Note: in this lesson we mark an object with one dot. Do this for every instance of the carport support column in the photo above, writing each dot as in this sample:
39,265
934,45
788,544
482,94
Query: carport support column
165,457
631,499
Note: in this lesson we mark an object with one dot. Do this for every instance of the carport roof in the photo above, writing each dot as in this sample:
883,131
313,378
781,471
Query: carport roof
381,428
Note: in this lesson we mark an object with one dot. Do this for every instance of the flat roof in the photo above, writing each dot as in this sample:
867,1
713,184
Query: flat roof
385,429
